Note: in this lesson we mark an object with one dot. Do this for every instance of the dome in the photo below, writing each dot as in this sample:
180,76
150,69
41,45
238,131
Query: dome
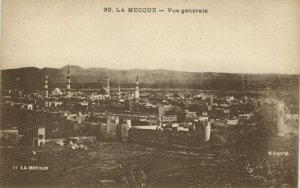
56,91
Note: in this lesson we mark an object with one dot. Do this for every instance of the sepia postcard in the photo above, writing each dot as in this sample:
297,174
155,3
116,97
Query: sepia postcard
147,94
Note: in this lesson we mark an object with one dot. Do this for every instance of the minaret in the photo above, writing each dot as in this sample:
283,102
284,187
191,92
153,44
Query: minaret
243,84
119,92
149,80
107,86
69,82
137,92
46,85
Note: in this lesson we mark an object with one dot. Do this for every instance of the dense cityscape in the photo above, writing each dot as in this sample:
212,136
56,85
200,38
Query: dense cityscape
210,127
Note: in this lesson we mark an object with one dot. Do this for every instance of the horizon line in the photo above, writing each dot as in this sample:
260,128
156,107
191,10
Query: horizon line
162,69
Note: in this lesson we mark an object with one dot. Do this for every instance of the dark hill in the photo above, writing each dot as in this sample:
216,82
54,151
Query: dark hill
32,78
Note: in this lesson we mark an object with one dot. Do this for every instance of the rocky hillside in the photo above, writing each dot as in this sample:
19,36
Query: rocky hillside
31,78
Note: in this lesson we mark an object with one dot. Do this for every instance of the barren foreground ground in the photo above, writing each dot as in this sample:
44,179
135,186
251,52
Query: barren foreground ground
114,164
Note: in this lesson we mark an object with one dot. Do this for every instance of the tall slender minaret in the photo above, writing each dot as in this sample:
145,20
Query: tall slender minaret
119,92
107,89
69,82
46,85
243,84
149,80
137,91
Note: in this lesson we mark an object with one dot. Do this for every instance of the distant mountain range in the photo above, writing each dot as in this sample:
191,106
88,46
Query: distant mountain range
32,78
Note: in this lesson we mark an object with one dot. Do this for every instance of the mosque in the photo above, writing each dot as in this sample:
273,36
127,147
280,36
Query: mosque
106,88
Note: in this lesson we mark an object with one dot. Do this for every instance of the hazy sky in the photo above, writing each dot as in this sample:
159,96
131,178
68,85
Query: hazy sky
251,36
